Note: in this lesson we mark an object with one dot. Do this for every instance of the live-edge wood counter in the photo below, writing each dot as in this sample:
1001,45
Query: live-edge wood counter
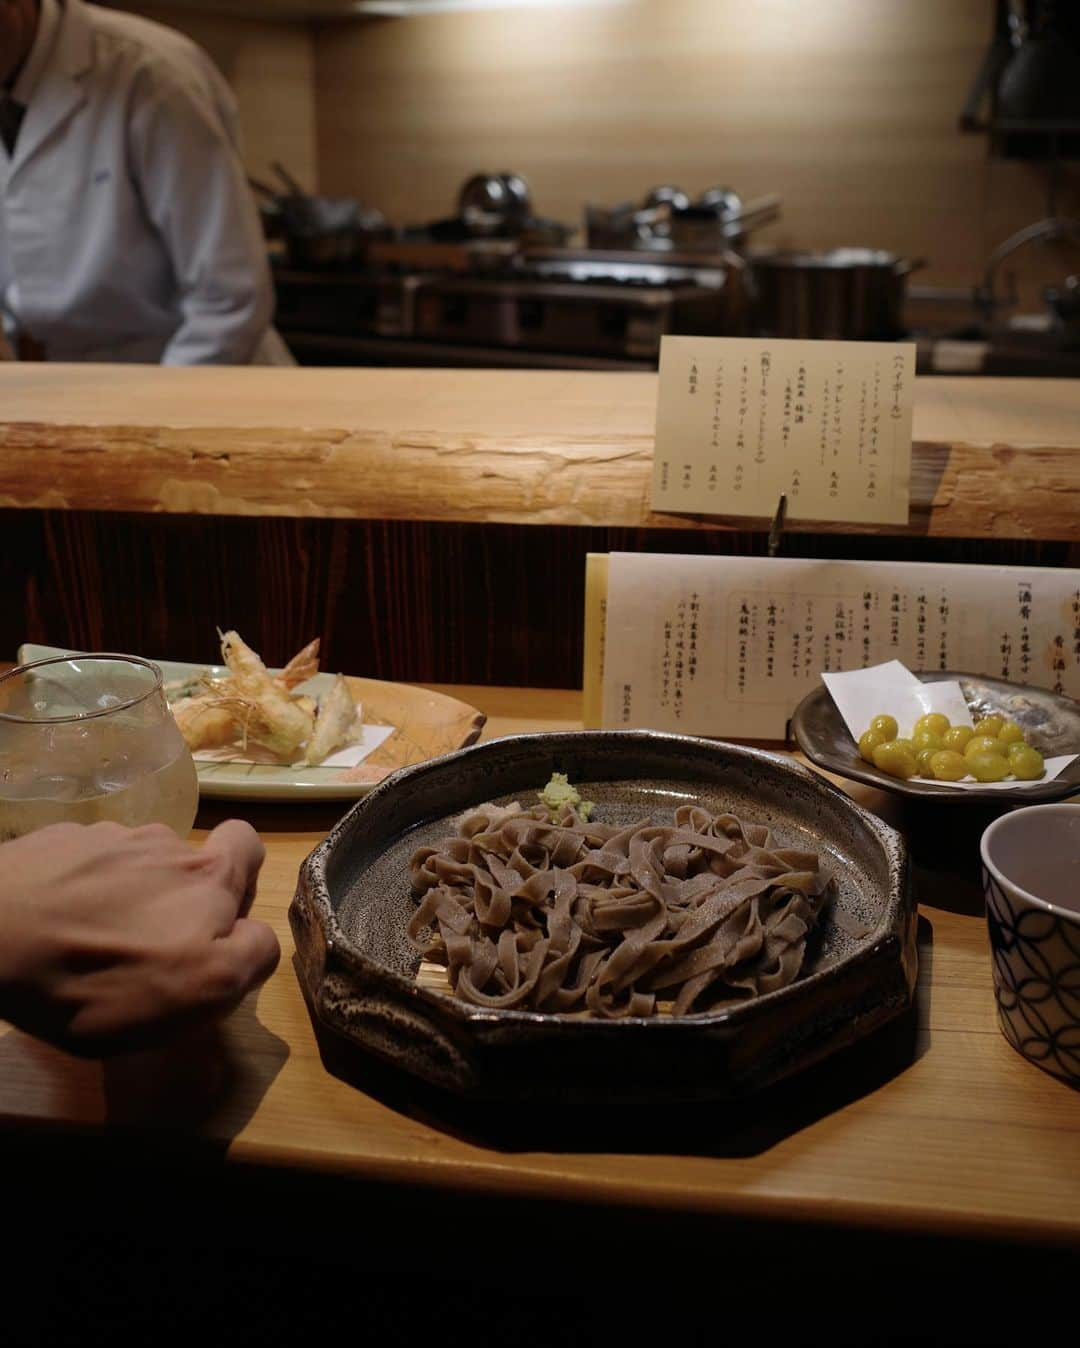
937,1128
429,525
992,458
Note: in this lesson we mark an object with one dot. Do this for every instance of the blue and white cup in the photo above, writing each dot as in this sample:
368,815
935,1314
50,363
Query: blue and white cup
1031,879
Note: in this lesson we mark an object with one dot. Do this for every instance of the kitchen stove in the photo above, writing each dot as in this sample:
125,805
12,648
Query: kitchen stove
595,309
345,304
626,319
601,307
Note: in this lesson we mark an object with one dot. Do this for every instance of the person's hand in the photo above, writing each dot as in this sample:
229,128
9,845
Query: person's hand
114,939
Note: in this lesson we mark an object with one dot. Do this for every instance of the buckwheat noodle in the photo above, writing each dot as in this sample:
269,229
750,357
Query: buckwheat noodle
549,912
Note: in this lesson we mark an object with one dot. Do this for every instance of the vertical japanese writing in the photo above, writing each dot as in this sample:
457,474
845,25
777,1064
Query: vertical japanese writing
838,410
785,433
770,641
867,608
692,657
943,643
838,635
717,421
680,659
837,430
862,421
875,429
920,630
763,404
808,634
1024,596
740,436
1057,663
665,666
785,420
897,387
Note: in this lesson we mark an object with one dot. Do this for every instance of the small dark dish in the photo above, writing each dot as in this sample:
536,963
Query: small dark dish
1050,722
353,903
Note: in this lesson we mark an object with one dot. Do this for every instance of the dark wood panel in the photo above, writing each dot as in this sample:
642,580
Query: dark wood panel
496,604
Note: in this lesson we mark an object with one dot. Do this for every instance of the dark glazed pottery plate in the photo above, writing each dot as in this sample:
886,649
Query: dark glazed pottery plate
353,904
1050,722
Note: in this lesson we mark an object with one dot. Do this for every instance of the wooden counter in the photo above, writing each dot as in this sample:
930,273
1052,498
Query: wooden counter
382,510
993,458
937,1128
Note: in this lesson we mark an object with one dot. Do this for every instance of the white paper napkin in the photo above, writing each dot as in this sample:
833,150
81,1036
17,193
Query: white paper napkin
862,694
372,736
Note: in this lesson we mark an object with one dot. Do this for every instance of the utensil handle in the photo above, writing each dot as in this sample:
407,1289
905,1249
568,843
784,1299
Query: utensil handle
904,266
771,202
287,178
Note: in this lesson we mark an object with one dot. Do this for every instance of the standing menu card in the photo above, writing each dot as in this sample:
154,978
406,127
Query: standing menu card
740,421
728,646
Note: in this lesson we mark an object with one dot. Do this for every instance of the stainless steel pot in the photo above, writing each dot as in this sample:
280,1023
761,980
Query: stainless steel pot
844,294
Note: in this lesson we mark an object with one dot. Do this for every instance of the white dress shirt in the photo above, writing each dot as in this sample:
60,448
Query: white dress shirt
127,228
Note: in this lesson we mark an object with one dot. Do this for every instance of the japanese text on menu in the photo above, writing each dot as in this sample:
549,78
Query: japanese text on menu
741,421
730,645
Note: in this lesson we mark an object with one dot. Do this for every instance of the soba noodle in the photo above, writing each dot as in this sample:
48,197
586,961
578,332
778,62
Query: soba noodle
549,912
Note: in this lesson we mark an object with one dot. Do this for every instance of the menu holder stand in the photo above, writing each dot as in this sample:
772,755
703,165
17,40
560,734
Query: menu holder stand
596,586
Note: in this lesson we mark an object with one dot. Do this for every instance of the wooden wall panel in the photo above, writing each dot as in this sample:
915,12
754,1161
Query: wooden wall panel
848,109
486,604
270,67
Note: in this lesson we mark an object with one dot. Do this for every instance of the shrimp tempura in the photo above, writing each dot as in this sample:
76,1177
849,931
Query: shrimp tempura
278,722
302,666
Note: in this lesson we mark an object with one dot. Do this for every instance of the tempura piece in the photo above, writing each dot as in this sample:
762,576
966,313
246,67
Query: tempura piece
302,666
275,720
204,722
336,725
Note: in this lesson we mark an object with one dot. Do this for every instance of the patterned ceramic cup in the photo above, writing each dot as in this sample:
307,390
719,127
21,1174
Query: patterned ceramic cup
1031,879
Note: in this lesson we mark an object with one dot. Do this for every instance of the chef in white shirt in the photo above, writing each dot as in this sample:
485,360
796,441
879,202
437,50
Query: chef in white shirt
127,228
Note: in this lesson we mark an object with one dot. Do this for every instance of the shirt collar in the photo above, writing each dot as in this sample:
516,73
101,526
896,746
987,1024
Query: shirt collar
45,40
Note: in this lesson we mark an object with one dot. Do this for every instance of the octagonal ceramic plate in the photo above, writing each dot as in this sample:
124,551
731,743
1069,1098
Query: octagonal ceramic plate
353,904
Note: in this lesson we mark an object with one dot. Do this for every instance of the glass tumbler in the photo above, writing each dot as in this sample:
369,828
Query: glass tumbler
91,737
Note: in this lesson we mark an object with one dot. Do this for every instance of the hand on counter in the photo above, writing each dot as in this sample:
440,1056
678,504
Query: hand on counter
114,939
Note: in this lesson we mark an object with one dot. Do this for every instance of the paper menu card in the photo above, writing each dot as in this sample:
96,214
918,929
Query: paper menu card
740,421
728,646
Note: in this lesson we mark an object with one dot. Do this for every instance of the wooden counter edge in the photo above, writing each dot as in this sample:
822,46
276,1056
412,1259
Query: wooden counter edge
958,490
484,1180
